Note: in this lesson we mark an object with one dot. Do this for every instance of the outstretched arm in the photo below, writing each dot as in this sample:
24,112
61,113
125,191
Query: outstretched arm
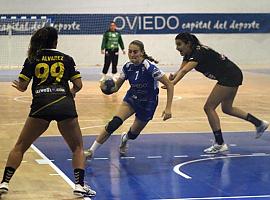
173,75
183,71
167,113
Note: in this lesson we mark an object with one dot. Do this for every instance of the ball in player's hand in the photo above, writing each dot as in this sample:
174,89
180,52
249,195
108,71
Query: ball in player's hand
107,86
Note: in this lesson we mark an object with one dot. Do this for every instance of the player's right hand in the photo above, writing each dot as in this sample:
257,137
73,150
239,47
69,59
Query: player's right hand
171,76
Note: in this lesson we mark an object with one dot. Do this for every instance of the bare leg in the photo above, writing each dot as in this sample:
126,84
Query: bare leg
218,95
227,105
132,134
32,129
124,112
71,132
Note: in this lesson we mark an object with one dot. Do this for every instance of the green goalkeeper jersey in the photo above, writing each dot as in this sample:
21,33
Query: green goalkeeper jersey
111,40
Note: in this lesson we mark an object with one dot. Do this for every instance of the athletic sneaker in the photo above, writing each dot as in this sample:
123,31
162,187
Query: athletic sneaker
83,191
260,129
88,154
3,188
215,148
123,145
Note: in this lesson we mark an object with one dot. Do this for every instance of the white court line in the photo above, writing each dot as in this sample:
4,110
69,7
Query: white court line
154,157
101,158
127,157
181,156
55,168
168,122
233,197
176,168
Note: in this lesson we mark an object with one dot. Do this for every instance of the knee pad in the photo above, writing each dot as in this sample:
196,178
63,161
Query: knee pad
132,136
114,124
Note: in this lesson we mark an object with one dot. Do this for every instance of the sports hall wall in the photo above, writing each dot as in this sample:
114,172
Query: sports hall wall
237,28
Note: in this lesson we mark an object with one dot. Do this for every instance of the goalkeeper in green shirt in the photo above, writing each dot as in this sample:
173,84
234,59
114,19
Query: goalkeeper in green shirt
110,47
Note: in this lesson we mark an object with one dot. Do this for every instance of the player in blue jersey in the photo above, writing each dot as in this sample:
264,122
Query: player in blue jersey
141,99
229,77
50,70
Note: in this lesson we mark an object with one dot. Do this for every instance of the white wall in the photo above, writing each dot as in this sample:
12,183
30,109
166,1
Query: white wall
248,50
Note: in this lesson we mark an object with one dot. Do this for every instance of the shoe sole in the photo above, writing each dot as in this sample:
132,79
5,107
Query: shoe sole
217,151
3,191
81,194
88,155
259,134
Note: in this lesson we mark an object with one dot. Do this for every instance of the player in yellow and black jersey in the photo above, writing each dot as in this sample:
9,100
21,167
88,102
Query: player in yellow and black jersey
51,71
53,99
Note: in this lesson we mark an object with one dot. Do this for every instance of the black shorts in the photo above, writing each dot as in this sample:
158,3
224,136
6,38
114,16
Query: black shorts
232,77
49,109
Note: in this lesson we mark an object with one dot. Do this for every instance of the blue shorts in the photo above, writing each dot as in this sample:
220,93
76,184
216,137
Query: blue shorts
144,110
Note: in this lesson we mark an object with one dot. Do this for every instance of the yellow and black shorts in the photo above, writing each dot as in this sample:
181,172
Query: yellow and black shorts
51,108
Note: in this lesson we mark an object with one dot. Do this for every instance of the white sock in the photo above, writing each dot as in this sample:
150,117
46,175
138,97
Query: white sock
95,146
125,138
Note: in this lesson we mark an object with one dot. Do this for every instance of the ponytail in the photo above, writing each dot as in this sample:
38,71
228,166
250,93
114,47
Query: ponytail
41,39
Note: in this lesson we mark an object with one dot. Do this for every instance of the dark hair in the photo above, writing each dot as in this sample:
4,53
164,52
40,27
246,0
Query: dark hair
188,37
141,46
43,38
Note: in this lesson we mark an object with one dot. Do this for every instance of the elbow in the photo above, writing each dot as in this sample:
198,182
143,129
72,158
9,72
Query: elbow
78,85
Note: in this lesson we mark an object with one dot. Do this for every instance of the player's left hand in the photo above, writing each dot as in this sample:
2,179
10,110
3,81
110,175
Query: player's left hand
16,84
166,115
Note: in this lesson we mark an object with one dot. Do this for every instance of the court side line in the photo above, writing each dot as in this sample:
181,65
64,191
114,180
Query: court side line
62,174
176,168
209,198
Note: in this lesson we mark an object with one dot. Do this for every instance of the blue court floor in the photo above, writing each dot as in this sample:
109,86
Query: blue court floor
171,166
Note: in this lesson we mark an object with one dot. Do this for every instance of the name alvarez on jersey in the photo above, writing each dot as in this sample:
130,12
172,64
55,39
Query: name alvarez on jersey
50,72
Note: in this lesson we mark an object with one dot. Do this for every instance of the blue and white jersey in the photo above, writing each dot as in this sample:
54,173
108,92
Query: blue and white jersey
143,80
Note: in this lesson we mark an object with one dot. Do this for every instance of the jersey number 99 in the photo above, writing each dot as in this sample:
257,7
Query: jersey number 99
43,70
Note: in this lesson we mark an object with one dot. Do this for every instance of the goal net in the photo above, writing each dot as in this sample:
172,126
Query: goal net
14,39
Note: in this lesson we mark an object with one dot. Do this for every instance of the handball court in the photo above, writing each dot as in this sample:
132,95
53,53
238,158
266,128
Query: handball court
167,159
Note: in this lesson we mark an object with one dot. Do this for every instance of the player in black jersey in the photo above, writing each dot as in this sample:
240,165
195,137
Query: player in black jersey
52,100
229,77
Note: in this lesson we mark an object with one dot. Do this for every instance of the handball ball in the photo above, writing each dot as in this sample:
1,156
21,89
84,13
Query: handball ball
107,85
